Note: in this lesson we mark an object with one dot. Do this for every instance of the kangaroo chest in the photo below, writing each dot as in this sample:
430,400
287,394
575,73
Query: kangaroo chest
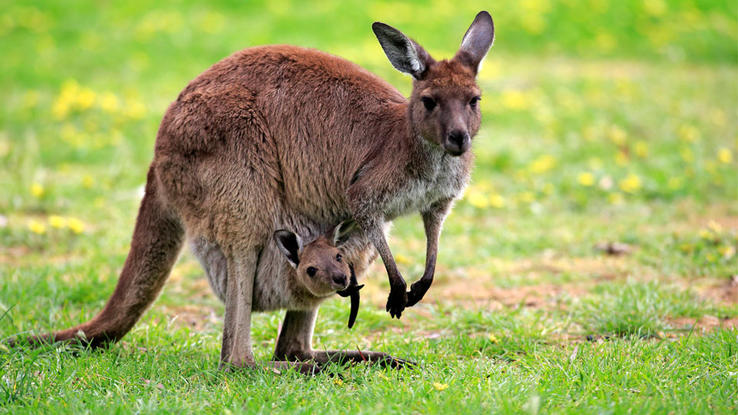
444,178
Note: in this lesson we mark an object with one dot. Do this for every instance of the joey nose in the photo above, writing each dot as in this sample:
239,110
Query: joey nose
457,142
340,280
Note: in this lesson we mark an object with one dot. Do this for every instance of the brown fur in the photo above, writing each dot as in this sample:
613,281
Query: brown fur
284,137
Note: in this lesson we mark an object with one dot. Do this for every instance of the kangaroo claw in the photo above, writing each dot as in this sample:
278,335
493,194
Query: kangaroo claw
352,291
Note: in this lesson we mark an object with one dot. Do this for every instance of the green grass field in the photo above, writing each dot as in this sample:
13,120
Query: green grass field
603,122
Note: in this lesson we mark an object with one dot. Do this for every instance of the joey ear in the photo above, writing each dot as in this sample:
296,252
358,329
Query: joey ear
290,244
403,53
343,231
477,41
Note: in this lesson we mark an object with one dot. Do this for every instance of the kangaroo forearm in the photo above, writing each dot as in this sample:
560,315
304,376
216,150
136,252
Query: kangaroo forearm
373,227
395,278
433,223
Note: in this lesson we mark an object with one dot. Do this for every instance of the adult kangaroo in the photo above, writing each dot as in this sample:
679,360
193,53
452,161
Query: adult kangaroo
274,133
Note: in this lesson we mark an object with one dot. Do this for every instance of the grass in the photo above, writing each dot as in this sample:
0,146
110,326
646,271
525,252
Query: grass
602,123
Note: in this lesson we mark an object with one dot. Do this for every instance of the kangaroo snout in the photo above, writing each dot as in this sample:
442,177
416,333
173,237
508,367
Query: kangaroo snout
340,280
457,142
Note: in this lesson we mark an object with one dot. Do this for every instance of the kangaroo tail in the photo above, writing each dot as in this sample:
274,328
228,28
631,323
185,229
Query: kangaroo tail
157,240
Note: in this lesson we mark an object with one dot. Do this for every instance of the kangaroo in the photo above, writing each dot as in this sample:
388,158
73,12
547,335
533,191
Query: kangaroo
278,133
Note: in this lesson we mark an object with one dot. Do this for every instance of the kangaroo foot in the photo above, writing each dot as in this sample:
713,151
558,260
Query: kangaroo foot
304,368
361,356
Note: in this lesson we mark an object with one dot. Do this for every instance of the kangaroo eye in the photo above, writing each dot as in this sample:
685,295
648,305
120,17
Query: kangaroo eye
474,101
339,257
311,271
429,103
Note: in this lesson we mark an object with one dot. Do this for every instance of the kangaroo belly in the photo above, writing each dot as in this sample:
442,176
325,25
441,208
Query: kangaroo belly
213,262
272,283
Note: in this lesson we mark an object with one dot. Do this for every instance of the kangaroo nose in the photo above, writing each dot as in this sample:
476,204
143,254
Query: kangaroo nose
340,280
457,142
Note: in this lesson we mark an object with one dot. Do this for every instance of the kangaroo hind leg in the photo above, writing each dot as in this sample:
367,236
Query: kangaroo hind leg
241,269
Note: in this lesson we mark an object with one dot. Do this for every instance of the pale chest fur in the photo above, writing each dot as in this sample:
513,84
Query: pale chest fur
443,177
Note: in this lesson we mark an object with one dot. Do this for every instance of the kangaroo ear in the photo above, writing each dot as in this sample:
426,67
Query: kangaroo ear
343,231
290,244
477,41
403,53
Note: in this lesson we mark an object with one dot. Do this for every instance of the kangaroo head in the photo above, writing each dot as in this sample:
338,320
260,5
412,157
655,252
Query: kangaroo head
320,265
444,104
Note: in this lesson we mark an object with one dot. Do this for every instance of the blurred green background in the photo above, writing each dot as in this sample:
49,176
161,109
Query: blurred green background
588,105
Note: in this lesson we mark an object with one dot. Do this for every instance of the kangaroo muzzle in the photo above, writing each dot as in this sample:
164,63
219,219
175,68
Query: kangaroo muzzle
457,142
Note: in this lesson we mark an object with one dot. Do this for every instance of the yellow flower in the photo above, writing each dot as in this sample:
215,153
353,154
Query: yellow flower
630,184
727,251
76,225
621,158
616,134
87,181
72,97
492,338
135,109
615,198
477,199
655,7
440,386
526,197
705,234
542,164
57,222
725,155
337,381
85,98
641,149
37,227
497,201
689,133
687,248
109,102
533,23
514,100
714,227
402,259
37,190
586,179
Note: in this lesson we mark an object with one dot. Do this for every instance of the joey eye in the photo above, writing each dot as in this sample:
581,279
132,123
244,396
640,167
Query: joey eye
339,257
311,271
429,103
474,101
